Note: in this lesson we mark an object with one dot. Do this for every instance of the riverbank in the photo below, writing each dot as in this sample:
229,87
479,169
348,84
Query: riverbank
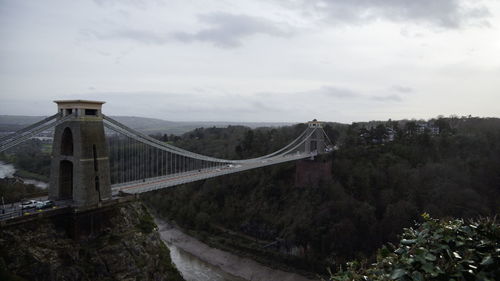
14,188
8,170
244,268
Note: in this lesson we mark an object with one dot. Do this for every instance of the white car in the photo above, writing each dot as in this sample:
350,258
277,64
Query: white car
28,204
44,204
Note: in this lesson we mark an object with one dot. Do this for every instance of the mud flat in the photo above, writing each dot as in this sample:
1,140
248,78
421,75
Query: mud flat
227,265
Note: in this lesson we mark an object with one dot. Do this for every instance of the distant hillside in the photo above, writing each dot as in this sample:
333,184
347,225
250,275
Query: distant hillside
9,123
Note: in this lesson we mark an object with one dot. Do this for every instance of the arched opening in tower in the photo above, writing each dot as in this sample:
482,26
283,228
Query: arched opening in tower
66,180
67,142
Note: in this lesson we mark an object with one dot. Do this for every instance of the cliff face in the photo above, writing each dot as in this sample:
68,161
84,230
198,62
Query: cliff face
129,248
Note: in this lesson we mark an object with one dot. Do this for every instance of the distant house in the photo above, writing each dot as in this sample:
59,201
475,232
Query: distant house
390,135
431,128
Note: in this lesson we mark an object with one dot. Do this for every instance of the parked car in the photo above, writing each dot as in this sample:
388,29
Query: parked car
44,204
28,204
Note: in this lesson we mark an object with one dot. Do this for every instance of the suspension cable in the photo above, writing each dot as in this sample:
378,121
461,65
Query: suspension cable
146,139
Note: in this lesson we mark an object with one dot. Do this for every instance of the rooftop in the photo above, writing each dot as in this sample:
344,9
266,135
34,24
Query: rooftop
79,102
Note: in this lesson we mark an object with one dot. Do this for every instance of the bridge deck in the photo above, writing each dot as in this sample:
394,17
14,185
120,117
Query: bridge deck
150,184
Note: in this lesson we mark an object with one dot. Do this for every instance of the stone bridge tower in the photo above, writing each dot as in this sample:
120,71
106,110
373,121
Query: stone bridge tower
317,140
80,165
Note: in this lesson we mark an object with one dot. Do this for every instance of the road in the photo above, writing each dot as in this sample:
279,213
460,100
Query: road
13,210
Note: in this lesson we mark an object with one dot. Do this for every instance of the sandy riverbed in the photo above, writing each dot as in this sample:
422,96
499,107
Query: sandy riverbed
241,267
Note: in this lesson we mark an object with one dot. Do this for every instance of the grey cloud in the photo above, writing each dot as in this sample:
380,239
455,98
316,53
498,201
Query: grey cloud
336,92
348,94
227,30
185,106
134,3
387,98
261,106
402,89
137,35
442,13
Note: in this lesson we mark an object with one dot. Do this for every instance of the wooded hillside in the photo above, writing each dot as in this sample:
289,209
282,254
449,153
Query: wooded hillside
384,177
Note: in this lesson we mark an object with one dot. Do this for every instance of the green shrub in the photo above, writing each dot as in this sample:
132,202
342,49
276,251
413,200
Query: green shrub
146,223
436,250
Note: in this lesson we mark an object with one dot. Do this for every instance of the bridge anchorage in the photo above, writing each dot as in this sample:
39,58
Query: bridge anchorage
94,157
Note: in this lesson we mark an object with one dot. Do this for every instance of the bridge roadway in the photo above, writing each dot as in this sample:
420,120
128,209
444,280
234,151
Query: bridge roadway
14,210
150,184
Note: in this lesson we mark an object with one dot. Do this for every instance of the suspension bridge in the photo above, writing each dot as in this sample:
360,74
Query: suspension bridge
95,157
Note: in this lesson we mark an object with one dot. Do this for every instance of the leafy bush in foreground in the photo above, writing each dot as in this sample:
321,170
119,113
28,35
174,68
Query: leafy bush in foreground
436,250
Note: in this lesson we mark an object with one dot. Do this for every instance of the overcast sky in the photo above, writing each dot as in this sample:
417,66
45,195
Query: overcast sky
253,60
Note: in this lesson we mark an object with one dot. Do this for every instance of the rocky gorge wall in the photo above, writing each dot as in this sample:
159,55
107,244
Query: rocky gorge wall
128,248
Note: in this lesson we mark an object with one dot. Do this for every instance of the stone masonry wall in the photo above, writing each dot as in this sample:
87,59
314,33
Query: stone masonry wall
309,173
